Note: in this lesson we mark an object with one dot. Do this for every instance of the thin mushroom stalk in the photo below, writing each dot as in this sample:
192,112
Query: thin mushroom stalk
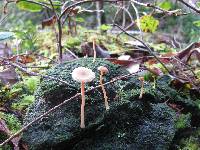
103,70
142,87
82,125
94,48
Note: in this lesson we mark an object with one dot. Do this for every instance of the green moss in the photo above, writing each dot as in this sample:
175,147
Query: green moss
183,121
192,142
12,122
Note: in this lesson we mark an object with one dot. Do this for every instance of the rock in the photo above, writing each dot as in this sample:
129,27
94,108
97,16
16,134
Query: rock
133,126
131,123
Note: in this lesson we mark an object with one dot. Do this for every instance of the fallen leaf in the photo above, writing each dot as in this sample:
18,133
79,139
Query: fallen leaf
122,62
133,68
87,50
49,22
124,57
24,58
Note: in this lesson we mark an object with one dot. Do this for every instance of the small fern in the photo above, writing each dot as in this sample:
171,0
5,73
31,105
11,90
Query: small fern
24,102
31,83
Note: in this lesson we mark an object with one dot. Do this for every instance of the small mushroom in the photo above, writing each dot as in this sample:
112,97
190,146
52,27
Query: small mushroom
142,86
103,70
93,39
83,75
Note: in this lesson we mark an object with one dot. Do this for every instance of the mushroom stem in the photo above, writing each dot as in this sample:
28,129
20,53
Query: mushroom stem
142,87
94,48
104,91
82,105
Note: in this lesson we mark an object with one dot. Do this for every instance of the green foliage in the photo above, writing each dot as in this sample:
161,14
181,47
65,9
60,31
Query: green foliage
192,142
25,91
198,4
21,92
148,23
80,19
6,35
24,102
105,27
197,23
32,7
73,42
26,33
4,96
166,5
183,121
162,48
12,122
31,83
190,31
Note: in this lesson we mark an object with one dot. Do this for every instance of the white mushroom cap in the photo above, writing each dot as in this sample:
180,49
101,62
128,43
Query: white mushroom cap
83,74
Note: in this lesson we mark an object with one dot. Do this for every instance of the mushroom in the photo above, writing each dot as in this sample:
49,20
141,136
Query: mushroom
94,48
83,75
103,70
93,39
142,86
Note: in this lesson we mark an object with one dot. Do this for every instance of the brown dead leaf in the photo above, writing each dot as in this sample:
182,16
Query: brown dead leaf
121,62
49,22
184,54
87,50
24,59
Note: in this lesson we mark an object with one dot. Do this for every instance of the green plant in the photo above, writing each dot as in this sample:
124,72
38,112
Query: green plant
26,33
12,122
31,83
183,121
73,42
148,23
24,102
166,5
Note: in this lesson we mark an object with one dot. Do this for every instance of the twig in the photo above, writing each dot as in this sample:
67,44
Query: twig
61,104
3,19
172,12
34,73
143,43
138,19
67,11
83,2
188,5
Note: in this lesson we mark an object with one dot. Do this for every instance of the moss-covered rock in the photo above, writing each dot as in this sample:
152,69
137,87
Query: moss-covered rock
132,126
131,123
